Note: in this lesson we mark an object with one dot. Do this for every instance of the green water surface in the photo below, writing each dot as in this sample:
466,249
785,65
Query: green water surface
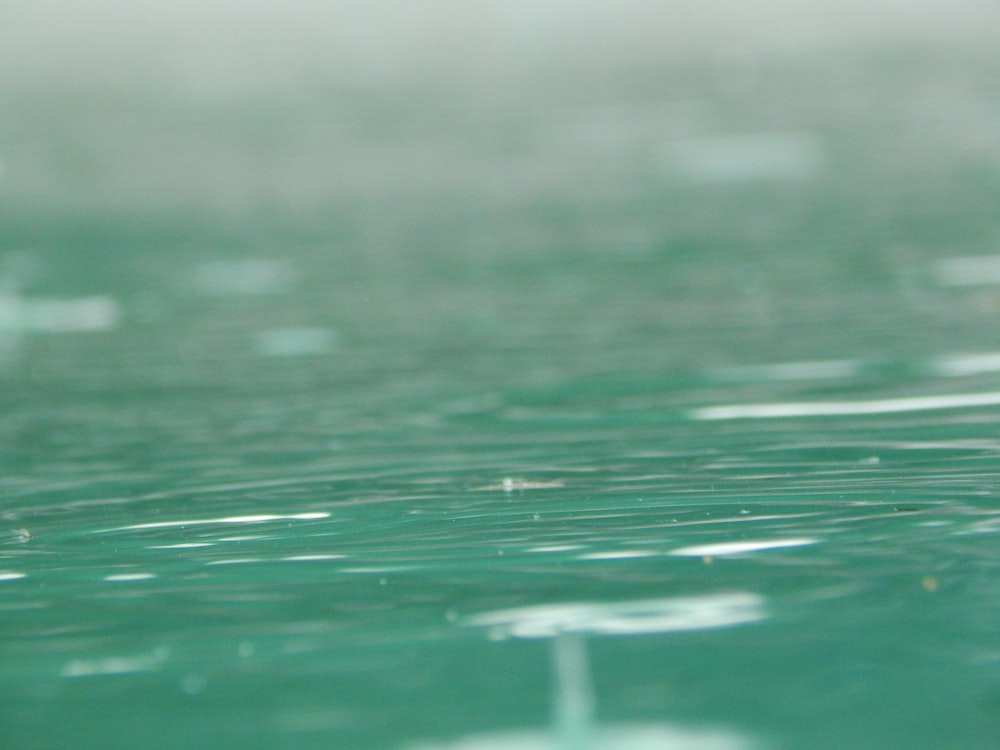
263,504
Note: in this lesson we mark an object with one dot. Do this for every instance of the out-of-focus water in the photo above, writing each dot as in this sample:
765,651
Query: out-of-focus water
656,402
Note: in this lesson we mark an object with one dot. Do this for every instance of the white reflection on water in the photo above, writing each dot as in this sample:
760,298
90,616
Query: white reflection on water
116,664
622,737
972,270
555,548
130,577
236,561
623,618
10,575
295,342
832,369
962,365
845,408
623,554
262,518
82,314
244,276
946,365
574,725
55,315
739,548
739,158
244,538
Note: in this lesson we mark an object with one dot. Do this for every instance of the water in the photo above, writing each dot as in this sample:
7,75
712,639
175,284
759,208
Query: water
294,561
657,410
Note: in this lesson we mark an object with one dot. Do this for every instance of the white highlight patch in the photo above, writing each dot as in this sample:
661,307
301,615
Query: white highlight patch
236,561
962,365
738,548
295,342
789,371
86,314
51,315
262,518
130,577
613,737
623,618
846,408
311,558
186,545
116,664
244,538
10,575
556,548
10,310
745,158
511,484
246,276
624,554
972,270
381,569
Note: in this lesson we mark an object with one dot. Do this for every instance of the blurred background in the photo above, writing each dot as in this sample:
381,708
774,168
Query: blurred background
217,179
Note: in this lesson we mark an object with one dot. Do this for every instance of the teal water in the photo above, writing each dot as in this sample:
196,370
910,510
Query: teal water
288,560
346,477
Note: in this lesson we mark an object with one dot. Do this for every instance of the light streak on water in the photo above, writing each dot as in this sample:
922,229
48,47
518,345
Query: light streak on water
262,518
789,409
623,618
738,548
236,561
555,548
970,270
113,665
962,365
295,342
54,315
832,369
624,554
